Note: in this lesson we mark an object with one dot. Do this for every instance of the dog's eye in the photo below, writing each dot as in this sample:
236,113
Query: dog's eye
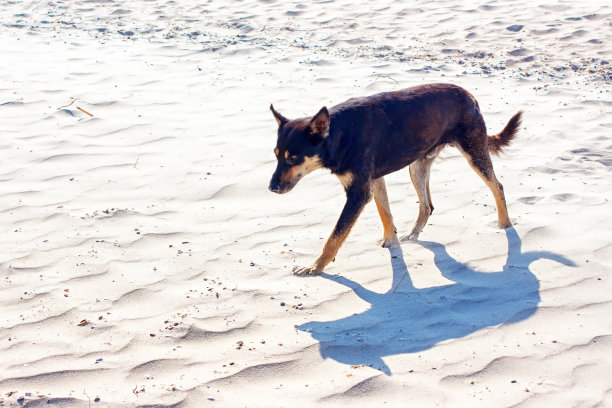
291,159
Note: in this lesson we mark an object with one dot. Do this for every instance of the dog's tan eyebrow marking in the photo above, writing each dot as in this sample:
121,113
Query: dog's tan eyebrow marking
286,154
276,152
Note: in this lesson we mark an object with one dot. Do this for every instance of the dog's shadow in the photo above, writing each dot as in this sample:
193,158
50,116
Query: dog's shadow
408,320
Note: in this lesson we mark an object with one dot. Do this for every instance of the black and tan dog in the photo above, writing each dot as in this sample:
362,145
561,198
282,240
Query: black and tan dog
364,139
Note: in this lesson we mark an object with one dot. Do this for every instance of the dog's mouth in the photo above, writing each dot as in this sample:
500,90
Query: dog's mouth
282,189
284,185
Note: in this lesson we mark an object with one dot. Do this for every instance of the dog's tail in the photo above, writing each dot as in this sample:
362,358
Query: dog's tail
502,139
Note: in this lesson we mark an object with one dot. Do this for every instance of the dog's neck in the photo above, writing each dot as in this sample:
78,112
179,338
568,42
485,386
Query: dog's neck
336,153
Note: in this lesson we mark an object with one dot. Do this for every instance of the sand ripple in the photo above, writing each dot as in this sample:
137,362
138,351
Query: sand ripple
143,262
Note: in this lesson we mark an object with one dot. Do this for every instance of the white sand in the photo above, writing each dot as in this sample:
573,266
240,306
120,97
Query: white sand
152,221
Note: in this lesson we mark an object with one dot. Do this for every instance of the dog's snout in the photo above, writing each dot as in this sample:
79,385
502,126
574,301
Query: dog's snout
274,187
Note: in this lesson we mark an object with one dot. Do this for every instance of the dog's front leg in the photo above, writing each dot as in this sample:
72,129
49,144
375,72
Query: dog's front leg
356,198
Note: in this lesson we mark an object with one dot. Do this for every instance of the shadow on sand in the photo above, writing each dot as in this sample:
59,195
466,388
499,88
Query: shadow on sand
410,320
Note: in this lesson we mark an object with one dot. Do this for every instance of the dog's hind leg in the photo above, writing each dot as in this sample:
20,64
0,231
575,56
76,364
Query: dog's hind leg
419,174
382,204
478,157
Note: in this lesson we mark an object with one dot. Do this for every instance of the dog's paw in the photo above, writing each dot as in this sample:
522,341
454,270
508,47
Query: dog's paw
413,236
504,224
306,270
388,242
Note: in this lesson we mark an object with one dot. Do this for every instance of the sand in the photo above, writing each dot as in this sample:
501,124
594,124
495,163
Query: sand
144,263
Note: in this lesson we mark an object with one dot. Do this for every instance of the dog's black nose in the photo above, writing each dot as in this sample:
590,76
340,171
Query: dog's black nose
274,187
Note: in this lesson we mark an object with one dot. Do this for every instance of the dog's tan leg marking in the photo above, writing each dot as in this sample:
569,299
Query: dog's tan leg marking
356,201
327,256
419,174
382,204
483,166
503,220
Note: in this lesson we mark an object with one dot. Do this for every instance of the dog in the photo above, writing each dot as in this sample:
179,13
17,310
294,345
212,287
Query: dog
364,139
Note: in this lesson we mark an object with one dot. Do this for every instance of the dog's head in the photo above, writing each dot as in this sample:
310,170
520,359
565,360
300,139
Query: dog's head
298,148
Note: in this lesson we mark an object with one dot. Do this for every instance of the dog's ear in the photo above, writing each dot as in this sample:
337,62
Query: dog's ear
319,124
280,119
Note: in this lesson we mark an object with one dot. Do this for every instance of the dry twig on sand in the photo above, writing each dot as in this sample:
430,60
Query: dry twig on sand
84,111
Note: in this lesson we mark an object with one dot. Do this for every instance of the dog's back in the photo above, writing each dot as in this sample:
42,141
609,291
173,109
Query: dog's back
393,129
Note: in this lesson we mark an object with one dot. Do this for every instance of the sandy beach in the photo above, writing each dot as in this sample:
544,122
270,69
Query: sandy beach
144,263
